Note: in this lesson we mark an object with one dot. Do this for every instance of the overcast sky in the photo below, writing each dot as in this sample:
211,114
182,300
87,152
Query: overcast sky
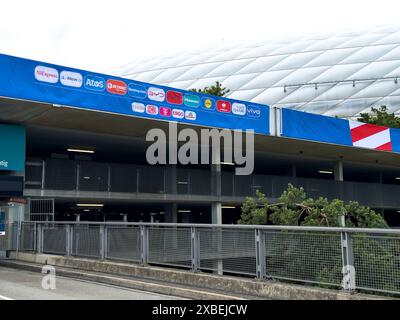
98,35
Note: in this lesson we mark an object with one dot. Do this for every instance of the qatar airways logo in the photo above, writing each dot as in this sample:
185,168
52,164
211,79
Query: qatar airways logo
46,74
156,94
71,79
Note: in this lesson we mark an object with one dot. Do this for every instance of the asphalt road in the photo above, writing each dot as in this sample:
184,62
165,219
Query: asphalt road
25,285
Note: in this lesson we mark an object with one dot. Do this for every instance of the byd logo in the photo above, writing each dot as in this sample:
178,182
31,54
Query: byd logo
116,87
156,94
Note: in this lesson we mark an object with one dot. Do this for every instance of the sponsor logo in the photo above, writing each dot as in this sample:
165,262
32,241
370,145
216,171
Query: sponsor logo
4,163
239,109
137,91
208,104
46,74
253,111
190,115
223,106
178,113
191,100
71,79
138,107
156,94
165,111
150,109
94,83
174,97
116,87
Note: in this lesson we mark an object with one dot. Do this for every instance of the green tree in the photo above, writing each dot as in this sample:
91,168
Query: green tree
380,117
215,90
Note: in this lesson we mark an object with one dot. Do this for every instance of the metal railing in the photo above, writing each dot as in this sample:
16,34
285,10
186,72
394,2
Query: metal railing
347,258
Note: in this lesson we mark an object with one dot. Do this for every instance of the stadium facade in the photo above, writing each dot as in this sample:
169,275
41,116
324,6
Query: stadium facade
73,142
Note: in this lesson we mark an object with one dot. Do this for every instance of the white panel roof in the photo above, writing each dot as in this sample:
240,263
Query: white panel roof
259,71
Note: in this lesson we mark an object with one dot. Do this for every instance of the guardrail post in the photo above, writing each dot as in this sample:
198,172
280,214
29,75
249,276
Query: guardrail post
103,243
39,232
195,248
68,243
261,269
144,245
348,270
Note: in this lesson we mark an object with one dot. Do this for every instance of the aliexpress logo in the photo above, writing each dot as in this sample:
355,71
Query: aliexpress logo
116,87
223,106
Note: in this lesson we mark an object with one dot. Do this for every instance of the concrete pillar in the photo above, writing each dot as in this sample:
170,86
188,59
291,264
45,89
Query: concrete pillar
125,218
78,218
338,171
171,213
216,213
216,207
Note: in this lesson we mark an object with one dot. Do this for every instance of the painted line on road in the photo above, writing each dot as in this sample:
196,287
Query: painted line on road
5,298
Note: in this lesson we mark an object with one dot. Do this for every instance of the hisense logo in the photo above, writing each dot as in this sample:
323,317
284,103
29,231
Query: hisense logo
4,163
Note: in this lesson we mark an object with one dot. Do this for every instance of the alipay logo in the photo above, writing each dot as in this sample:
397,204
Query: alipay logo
94,83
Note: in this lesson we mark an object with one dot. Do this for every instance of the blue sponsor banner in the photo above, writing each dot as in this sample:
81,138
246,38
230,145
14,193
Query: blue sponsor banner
2,223
58,85
12,147
395,139
308,126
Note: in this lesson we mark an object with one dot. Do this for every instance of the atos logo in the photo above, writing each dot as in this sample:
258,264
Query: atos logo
116,87
224,106
190,115
150,109
239,109
178,113
94,83
138,107
137,91
253,111
46,74
174,97
156,94
165,111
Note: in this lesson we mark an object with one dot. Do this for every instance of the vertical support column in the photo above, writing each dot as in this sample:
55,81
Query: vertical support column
338,171
68,243
195,248
260,254
171,213
78,217
103,241
348,270
216,207
39,233
144,245
125,217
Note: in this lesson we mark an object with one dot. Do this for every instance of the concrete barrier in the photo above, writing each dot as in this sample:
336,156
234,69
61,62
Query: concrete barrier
233,287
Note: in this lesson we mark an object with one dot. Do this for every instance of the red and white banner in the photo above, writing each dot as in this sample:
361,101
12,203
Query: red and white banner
370,136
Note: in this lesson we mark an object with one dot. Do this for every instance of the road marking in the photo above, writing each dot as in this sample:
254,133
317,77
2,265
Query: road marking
5,298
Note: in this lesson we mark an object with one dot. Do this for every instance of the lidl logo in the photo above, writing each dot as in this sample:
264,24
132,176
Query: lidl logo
156,94
137,91
191,100
150,109
174,97
208,103
253,111
165,111
94,83
223,106
116,87
239,109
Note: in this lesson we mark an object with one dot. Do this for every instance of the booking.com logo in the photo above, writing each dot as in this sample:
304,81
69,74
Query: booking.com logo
196,149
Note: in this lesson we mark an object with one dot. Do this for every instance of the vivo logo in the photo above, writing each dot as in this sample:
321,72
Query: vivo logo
156,94
46,74
253,111
94,83
190,115
239,109
71,79
138,107
178,113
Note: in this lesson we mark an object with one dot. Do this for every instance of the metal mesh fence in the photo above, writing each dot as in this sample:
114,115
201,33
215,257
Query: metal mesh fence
86,241
123,243
226,250
27,240
54,239
304,256
377,262
170,246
